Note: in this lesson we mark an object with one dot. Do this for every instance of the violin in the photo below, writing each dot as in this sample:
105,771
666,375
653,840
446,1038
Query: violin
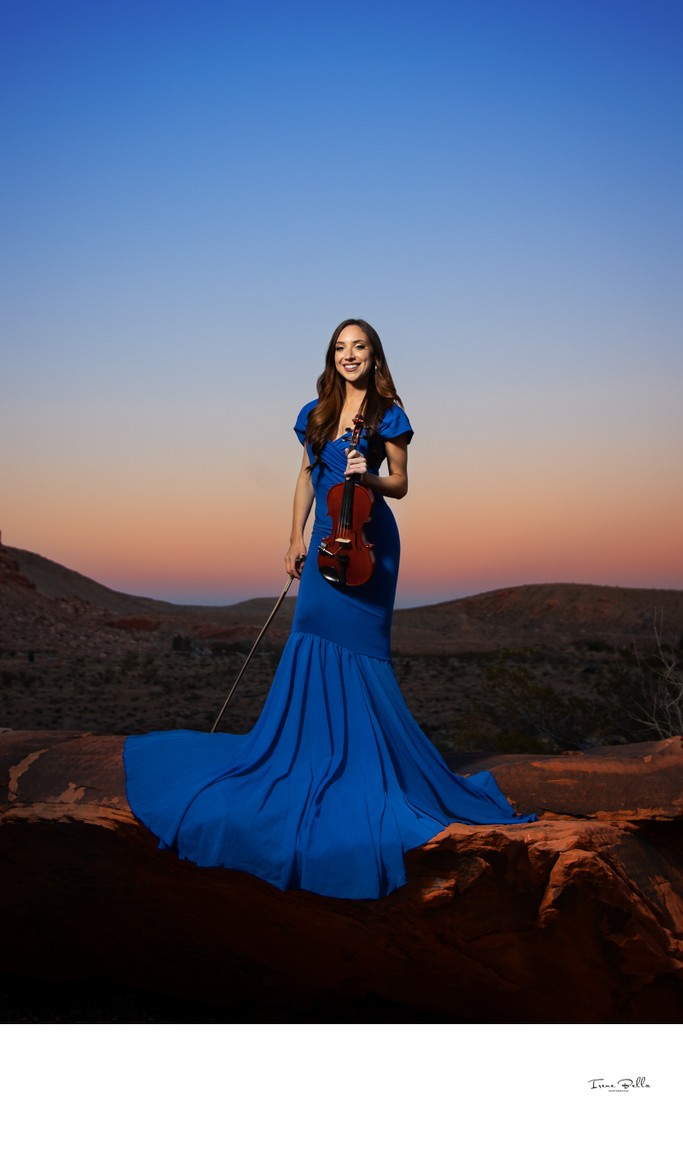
345,557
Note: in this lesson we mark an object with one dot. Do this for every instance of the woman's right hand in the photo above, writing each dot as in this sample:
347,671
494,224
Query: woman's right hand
294,559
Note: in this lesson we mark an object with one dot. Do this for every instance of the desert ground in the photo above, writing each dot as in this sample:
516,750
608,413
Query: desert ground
531,669
538,668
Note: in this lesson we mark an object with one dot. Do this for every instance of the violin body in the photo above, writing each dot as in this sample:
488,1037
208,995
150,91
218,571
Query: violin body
345,557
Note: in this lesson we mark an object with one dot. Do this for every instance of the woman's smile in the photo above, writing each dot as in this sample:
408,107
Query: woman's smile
353,355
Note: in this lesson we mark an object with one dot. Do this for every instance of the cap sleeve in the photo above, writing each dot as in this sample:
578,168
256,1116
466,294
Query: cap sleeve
395,422
302,420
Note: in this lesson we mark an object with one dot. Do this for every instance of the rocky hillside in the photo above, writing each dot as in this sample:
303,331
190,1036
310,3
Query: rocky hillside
544,667
551,613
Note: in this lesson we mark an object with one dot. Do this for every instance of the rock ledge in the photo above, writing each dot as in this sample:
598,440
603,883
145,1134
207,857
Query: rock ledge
576,918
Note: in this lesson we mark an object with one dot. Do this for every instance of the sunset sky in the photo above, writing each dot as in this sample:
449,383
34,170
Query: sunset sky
195,192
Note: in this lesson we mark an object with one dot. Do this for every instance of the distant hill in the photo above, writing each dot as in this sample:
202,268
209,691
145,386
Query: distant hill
57,582
524,668
545,614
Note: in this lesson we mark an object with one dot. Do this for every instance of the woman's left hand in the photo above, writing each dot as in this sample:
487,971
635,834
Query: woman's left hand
356,464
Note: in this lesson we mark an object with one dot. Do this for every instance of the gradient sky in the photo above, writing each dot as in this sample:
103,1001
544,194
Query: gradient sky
195,193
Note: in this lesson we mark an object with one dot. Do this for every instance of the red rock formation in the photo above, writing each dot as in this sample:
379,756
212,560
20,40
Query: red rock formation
577,918
135,623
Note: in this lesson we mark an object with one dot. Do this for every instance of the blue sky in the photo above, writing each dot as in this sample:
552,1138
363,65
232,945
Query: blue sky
196,193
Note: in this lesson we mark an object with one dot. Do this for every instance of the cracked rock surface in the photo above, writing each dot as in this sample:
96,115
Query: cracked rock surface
576,918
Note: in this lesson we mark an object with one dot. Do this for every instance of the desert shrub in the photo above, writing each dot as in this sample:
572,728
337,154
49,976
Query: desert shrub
238,646
657,708
521,714
593,645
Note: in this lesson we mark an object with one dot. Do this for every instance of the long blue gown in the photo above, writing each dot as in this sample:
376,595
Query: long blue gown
336,780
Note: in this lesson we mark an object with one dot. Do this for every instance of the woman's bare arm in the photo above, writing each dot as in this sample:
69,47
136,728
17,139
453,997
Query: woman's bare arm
395,484
303,501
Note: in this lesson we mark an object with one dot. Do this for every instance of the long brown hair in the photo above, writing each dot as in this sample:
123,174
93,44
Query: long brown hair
323,420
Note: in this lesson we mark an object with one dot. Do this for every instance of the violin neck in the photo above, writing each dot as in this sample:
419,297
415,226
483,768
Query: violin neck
346,512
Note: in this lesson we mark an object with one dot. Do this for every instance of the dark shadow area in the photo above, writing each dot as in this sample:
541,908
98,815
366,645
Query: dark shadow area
101,1002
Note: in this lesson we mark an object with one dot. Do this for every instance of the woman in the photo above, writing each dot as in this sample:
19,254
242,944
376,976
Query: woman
336,781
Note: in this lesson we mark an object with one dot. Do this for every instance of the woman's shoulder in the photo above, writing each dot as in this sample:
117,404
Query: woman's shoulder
302,419
395,422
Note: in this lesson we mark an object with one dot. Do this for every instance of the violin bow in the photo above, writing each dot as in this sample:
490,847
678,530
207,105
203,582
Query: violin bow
246,662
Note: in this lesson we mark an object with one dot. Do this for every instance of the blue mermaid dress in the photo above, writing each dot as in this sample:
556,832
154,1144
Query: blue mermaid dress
336,780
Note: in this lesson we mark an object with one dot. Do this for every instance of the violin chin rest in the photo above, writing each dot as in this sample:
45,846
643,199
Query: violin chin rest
331,575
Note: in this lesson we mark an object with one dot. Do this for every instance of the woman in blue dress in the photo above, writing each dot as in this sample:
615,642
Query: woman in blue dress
336,780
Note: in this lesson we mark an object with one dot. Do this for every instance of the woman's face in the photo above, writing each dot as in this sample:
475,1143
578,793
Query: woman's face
353,355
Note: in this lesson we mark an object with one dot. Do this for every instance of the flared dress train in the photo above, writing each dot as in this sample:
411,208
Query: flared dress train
336,780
